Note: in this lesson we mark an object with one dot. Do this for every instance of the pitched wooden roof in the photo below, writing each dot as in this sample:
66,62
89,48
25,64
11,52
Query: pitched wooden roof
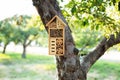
55,17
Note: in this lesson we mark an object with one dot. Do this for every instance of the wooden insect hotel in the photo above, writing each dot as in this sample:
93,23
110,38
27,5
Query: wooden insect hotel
56,30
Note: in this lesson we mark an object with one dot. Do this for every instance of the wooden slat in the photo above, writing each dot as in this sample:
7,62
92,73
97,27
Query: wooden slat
52,44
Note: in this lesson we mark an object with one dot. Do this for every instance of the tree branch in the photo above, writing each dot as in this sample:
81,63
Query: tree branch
28,42
93,56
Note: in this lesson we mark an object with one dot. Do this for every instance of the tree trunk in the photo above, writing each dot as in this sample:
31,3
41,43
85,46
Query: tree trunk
68,66
4,48
24,51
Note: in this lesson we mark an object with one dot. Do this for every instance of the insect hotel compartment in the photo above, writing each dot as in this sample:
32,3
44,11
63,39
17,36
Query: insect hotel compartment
56,30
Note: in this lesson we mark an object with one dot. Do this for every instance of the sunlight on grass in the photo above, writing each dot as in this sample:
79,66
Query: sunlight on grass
49,67
5,59
4,56
35,67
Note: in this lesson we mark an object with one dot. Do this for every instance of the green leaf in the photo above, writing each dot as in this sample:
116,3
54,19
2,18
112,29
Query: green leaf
61,0
73,10
118,6
92,27
114,1
97,27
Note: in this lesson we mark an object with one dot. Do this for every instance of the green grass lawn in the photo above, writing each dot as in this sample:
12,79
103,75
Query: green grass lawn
35,67
40,67
105,70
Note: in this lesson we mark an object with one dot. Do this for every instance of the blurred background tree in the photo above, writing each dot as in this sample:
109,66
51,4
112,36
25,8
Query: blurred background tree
6,33
21,29
27,29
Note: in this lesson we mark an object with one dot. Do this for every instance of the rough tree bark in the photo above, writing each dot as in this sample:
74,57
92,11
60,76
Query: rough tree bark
4,48
25,44
69,66
24,51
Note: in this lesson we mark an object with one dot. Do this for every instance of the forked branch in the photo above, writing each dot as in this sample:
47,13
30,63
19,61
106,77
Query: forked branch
93,56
